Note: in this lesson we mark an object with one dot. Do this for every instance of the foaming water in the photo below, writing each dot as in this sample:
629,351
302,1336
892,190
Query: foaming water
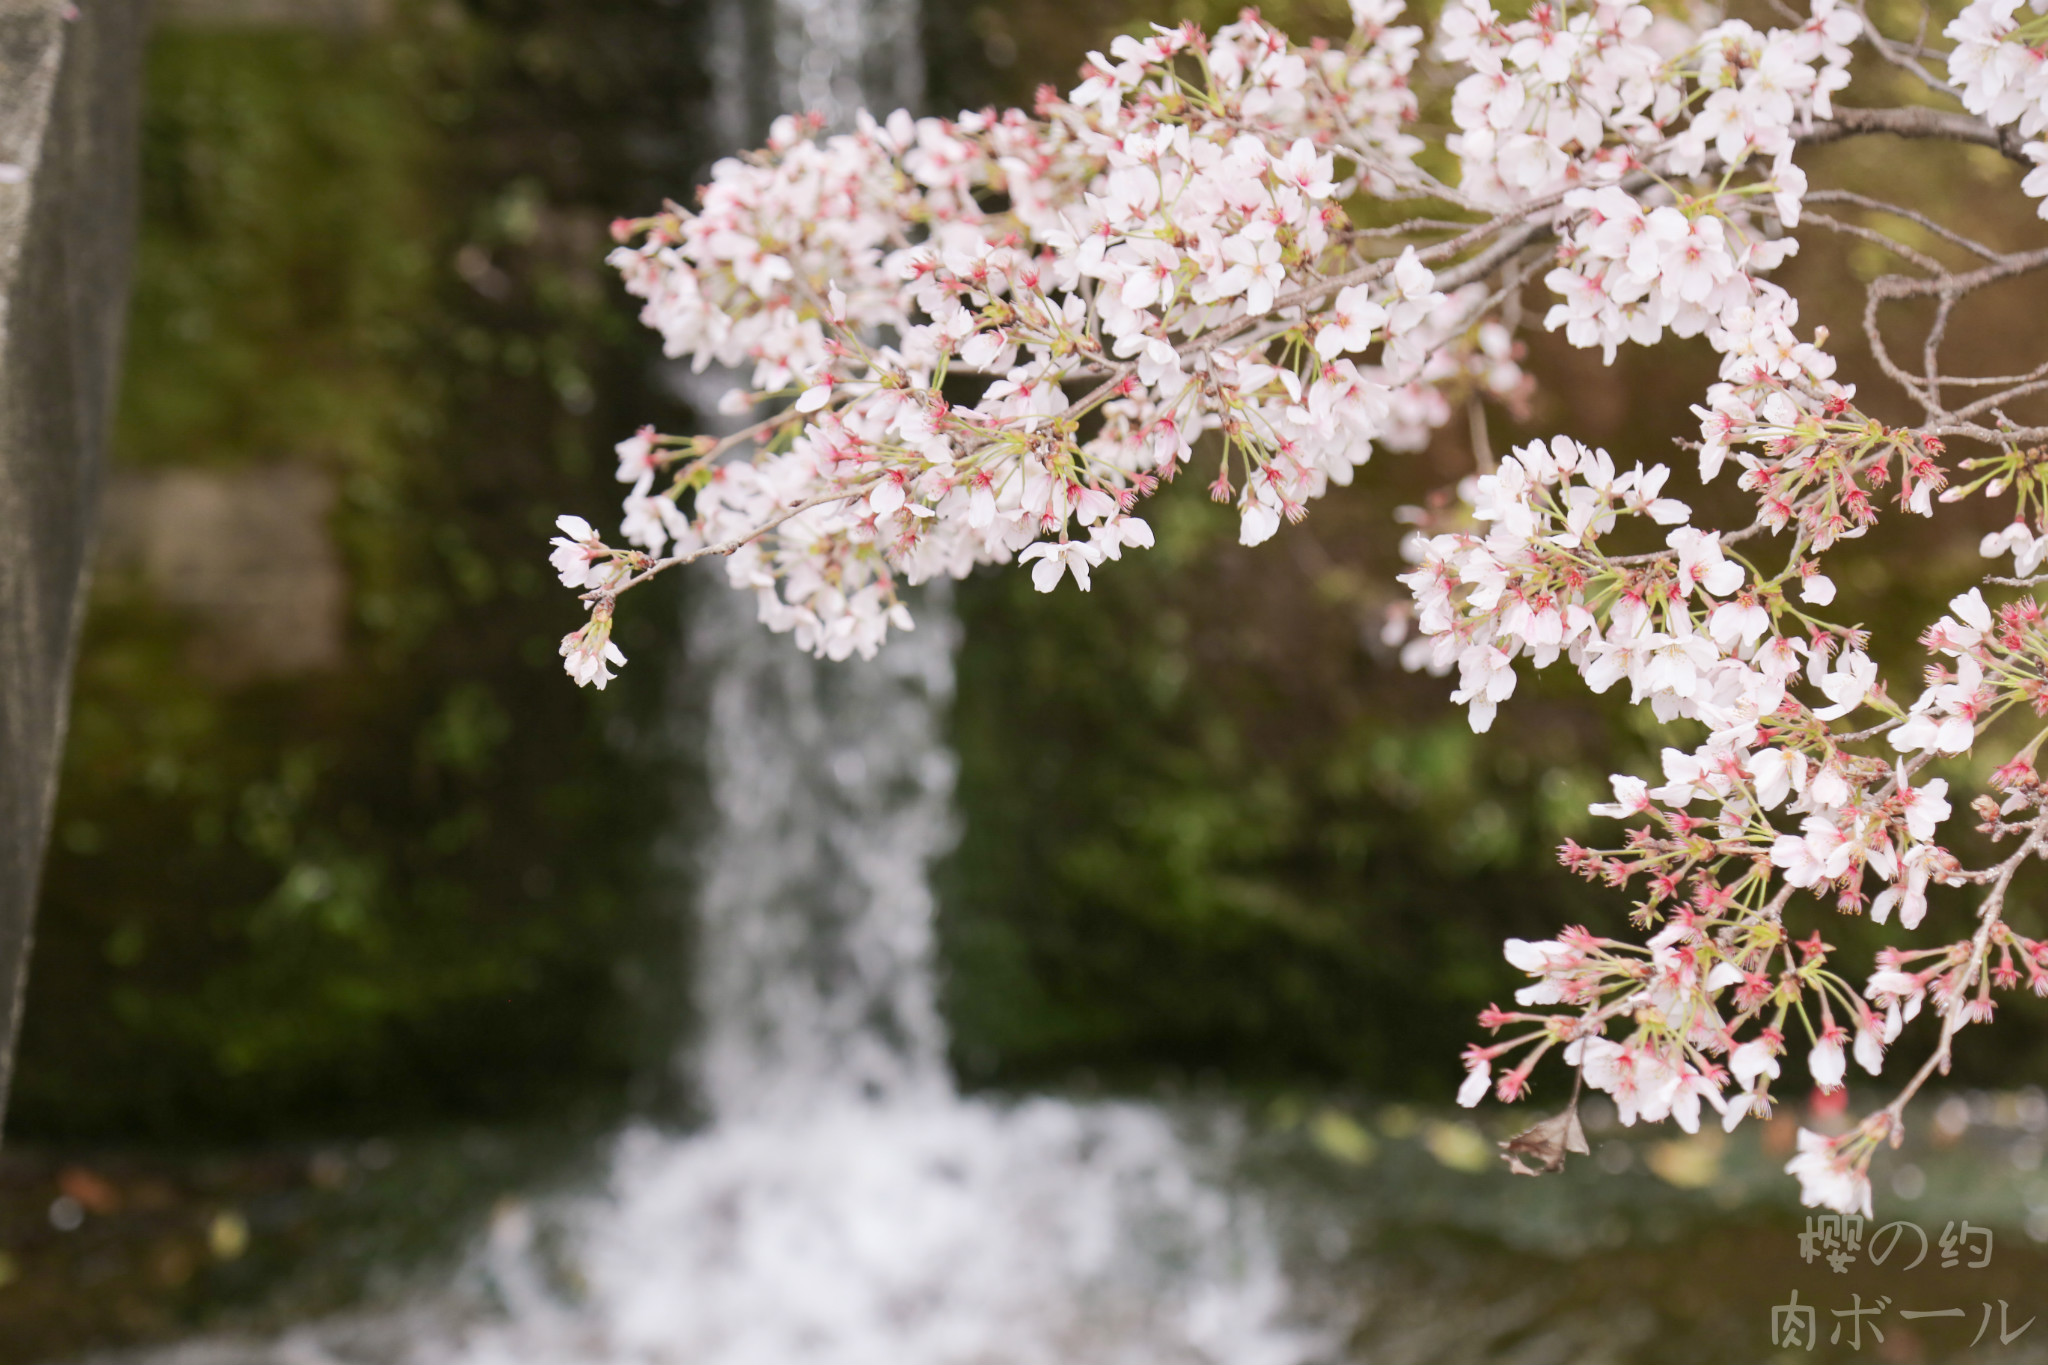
918,1232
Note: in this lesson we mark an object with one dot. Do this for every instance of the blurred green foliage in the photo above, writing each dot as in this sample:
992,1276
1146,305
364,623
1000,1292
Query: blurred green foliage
405,885
1208,832
1211,829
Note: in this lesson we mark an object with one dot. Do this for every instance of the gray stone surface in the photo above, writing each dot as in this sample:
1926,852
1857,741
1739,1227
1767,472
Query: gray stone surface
69,91
247,553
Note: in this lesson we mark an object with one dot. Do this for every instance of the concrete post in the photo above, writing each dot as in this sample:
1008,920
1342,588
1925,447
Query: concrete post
70,86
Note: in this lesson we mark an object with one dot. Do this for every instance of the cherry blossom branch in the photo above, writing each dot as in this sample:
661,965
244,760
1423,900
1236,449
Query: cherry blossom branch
1989,918
1172,240
731,544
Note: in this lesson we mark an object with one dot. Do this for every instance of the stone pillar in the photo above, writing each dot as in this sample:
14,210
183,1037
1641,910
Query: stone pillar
70,84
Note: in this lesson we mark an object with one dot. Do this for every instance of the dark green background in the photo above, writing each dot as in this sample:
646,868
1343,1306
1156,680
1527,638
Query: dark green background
1211,833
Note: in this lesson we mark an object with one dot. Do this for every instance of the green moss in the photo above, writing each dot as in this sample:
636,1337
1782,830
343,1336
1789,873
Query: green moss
397,888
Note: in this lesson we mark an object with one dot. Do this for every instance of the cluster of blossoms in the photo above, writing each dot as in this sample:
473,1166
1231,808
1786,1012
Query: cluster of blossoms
931,294
988,339
2000,69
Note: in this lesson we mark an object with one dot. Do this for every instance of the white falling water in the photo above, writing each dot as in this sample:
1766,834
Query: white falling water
831,786
844,1205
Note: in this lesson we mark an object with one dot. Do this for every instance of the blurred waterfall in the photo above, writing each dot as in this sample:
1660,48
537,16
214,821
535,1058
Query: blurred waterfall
831,784
771,57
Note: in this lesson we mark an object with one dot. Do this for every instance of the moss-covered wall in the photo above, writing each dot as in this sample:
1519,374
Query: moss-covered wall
395,879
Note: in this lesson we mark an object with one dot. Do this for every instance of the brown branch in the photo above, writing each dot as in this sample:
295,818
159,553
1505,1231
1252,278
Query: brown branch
2000,398
1947,284
1919,121
1941,230
1874,237
1903,56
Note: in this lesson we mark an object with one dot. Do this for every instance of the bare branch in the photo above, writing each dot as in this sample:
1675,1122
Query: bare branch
1899,54
1986,381
1891,244
2001,268
1864,201
1919,121
1996,400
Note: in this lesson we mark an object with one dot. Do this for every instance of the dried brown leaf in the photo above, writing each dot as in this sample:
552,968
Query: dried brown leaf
1545,1144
